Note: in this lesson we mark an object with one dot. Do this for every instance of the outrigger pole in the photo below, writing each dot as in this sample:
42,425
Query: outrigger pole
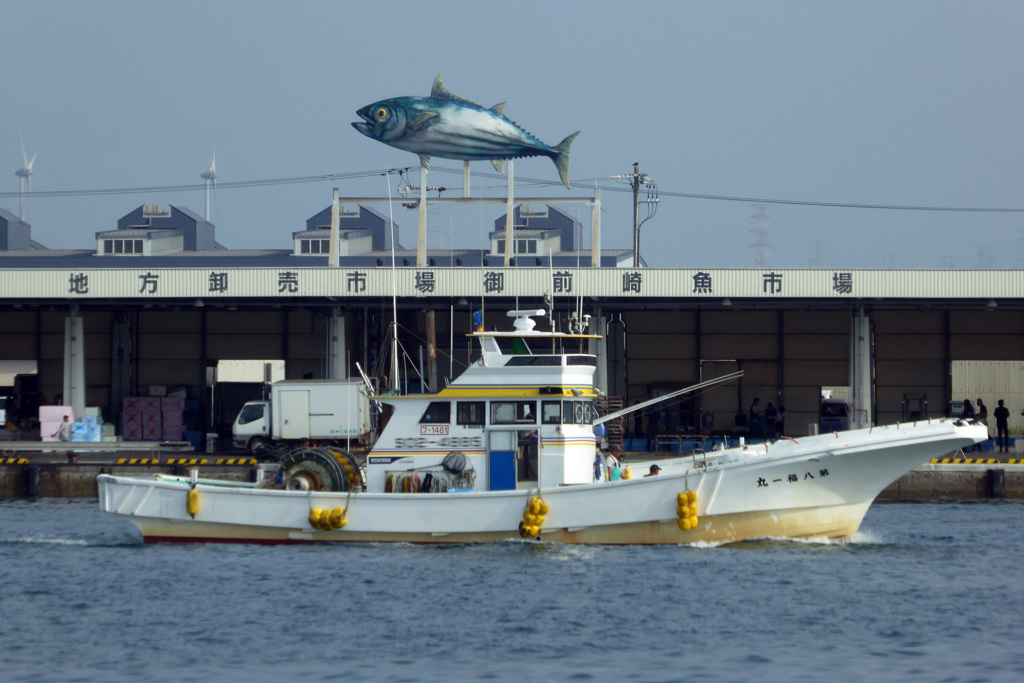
659,399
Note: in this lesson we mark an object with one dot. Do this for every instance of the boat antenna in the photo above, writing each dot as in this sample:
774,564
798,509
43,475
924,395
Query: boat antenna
394,291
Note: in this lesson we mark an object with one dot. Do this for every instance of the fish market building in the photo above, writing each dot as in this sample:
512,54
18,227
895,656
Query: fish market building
159,304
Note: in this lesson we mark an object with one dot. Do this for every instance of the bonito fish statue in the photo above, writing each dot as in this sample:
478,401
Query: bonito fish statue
448,126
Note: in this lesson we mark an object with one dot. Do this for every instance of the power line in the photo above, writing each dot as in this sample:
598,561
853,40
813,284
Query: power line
332,177
327,177
752,200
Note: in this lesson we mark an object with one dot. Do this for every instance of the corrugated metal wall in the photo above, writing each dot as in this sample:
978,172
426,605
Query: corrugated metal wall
992,380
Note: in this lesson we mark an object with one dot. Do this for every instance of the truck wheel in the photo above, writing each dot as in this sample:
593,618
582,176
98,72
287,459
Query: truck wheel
258,446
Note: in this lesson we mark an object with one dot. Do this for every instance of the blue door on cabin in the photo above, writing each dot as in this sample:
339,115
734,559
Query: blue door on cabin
501,460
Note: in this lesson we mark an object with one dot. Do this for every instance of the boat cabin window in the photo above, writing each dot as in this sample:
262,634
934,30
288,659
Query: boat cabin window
471,413
438,412
577,412
551,412
513,412
581,360
533,360
250,414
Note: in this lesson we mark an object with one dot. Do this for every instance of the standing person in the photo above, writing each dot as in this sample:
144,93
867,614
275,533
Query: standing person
781,424
982,413
613,465
771,417
754,418
63,432
1002,415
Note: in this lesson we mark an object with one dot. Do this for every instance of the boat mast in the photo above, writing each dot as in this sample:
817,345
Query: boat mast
394,293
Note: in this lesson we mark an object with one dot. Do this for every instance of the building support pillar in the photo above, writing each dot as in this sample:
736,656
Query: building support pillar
432,352
74,362
120,365
861,371
337,368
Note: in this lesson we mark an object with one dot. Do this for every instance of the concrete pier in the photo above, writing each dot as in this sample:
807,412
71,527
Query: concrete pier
959,482
34,477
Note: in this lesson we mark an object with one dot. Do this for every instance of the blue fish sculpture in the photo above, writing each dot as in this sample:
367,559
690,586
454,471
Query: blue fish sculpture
448,126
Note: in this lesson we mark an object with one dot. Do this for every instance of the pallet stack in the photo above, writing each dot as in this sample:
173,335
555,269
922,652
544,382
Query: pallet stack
172,419
152,418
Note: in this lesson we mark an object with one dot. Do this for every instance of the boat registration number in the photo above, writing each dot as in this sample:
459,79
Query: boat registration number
433,430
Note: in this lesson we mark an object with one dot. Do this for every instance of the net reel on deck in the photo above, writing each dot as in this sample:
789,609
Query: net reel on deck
320,469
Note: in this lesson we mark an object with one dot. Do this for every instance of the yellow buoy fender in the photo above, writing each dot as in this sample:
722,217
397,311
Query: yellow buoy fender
192,503
533,517
337,518
314,517
686,510
325,520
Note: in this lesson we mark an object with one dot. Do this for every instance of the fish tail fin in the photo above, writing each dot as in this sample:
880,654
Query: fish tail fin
561,158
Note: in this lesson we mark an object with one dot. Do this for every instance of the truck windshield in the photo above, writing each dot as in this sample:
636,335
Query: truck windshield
833,410
250,413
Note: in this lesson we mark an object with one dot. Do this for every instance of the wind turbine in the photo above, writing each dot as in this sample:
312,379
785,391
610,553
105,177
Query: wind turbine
210,177
25,173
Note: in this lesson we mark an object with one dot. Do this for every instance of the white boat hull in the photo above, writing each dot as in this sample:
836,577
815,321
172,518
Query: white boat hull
815,487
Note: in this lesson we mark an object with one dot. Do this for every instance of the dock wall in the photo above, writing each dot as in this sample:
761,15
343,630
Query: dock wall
49,480
937,482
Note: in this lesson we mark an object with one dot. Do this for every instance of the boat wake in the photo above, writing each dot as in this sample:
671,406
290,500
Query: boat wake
767,542
101,541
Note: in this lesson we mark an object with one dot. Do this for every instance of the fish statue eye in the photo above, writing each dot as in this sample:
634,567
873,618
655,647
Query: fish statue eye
382,114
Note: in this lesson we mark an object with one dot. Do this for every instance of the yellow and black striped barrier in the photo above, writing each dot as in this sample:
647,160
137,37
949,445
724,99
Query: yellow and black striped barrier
185,461
975,461
13,461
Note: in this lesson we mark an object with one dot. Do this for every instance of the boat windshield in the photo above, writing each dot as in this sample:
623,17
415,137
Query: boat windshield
533,360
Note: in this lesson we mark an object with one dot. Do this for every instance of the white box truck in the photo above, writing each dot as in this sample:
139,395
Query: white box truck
322,411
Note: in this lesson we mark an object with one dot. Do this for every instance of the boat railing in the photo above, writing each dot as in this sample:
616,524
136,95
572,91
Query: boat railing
703,455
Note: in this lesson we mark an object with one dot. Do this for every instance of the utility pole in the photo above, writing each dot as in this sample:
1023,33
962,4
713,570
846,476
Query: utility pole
635,181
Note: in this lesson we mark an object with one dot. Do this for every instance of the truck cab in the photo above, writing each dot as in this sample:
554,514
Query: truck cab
835,415
251,429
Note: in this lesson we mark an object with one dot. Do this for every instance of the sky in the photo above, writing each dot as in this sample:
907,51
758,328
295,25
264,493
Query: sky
912,104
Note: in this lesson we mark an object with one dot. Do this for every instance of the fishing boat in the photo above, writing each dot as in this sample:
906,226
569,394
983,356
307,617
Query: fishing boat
508,451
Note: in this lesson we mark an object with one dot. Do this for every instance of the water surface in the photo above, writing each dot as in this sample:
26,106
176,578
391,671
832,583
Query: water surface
925,592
